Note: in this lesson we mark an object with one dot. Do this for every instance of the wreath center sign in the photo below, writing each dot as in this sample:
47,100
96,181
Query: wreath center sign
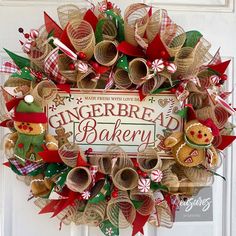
114,120
99,119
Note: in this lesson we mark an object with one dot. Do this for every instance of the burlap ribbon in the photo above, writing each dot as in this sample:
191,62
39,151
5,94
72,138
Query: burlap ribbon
121,211
82,37
69,12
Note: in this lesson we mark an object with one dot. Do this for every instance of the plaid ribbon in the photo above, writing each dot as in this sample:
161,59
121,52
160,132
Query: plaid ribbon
9,67
27,168
51,67
166,21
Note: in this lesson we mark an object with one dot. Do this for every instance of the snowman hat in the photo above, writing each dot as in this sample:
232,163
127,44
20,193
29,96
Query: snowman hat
29,111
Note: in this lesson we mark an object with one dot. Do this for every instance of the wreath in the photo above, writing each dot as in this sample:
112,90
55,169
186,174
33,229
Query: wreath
97,48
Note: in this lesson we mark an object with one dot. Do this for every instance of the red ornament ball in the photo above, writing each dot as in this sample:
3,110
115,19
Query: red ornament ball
114,194
81,55
149,63
26,36
109,5
72,66
224,77
166,63
139,172
173,90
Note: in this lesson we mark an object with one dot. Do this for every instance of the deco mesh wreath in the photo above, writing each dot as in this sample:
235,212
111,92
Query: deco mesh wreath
97,48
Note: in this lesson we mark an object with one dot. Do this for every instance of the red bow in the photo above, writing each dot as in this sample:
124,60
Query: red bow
209,123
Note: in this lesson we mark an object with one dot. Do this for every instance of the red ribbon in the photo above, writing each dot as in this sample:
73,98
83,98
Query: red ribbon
209,123
221,67
52,26
91,19
139,222
130,50
50,156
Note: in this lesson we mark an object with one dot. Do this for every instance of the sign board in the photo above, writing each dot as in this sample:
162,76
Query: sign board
98,119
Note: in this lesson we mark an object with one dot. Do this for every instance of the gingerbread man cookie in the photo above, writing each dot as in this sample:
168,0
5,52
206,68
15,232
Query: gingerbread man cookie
192,147
62,136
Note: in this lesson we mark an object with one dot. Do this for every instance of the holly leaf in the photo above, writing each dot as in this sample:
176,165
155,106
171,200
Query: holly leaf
21,62
158,186
23,74
137,204
183,112
192,38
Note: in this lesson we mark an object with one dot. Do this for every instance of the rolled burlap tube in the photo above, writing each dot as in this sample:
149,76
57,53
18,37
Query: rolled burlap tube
188,188
150,85
200,177
81,36
78,218
87,80
167,164
69,154
38,54
217,113
184,60
135,14
104,163
44,92
170,180
121,211
106,53
102,82
69,12
147,200
94,214
173,37
109,30
196,100
122,79
97,188
149,160
78,179
67,215
163,216
63,65
138,70
16,82
125,178
154,25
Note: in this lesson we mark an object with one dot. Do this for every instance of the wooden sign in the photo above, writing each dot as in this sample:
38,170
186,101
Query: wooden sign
98,119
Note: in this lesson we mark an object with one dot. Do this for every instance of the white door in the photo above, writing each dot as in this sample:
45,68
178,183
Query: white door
216,20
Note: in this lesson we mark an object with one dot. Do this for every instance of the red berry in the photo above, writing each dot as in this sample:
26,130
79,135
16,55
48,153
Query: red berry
149,63
108,198
166,63
173,90
180,77
115,189
21,30
20,145
224,77
90,150
81,55
33,44
163,53
109,5
26,36
136,164
72,66
139,172
114,194
144,174
222,82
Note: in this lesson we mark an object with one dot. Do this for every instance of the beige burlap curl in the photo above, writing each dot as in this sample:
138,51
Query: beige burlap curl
87,80
44,92
94,214
162,216
78,179
121,211
149,160
106,52
109,30
69,12
173,37
69,154
138,70
63,65
103,162
135,14
122,79
217,113
147,200
81,36
170,180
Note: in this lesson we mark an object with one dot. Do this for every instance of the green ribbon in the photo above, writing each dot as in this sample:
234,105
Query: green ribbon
118,19
123,63
108,228
192,38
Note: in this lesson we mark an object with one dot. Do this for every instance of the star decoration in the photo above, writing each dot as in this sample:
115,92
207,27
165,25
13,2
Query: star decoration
58,100
79,100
